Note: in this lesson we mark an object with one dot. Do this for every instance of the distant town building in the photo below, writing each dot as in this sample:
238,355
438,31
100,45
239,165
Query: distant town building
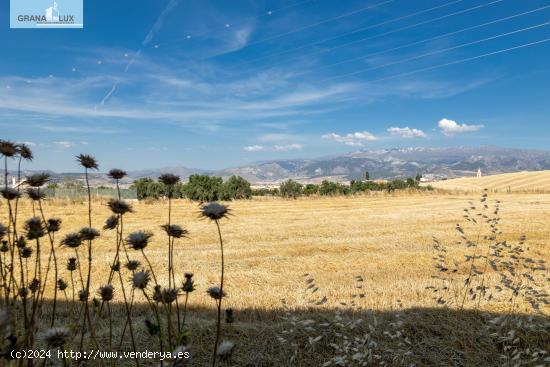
479,173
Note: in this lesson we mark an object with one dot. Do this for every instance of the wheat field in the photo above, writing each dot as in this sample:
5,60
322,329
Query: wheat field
508,182
271,243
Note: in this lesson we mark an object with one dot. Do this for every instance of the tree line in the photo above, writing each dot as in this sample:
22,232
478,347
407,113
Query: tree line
211,188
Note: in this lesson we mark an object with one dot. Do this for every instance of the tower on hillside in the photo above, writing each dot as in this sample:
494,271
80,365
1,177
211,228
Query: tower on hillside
479,173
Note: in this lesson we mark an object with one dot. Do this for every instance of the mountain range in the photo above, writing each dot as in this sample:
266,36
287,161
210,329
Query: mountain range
439,163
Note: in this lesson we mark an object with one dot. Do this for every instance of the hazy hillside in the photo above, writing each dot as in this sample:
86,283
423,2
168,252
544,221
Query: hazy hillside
386,163
514,182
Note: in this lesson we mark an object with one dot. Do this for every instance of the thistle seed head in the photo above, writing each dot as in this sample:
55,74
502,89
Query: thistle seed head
26,252
111,222
56,337
23,292
25,152
189,284
7,148
35,194
83,295
34,228
10,193
173,230
139,240
157,294
117,174
225,350
34,285
54,224
4,247
169,179
115,266
87,161
107,292
72,240
141,279
169,295
21,242
152,328
71,264
62,285
215,293
3,231
119,206
37,180
88,233
132,265
214,211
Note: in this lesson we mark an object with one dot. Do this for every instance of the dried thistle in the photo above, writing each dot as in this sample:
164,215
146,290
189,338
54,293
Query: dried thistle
214,211
88,233
141,279
139,240
87,161
62,285
25,152
83,295
225,350
10,193
54,224
8,148
72,240
117,174
37,179
111,222
106,292
34,228
35,194
119,206
169,179
174,230
216,293
26,252
189,284
71,264
132,265
169,295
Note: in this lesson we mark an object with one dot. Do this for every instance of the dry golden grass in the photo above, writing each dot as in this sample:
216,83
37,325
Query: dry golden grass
270,243
509,182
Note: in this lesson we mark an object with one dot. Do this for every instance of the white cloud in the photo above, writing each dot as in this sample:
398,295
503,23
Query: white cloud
450,127
63,144
288,147
275,148
352,139
407,132
254,148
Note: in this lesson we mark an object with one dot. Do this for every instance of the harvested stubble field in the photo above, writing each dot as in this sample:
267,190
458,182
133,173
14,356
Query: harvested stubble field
270,243
508,182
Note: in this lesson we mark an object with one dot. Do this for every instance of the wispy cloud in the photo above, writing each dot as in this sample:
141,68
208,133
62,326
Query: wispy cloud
274,148
450,127
254,148
407,132
63,144
352,139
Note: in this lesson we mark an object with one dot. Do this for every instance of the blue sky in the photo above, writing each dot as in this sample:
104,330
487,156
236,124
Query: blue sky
212,83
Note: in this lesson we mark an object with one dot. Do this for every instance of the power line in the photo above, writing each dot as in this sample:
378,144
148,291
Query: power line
353,32
425,40
432,20
451,62
448,49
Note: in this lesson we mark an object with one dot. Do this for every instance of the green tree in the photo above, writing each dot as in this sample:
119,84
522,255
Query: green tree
142,187
236,187
367,175
290,189
311,189
203,188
